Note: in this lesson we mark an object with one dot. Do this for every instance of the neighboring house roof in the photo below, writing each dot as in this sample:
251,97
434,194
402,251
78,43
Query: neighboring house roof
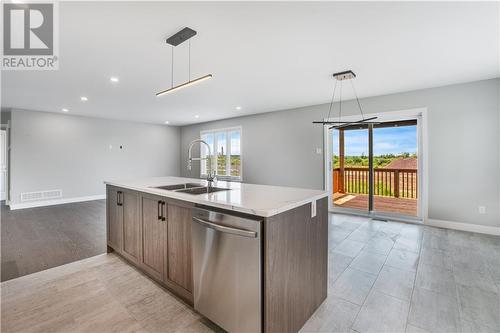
403,163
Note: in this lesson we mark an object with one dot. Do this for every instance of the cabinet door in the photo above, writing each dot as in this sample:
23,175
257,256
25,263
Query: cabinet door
153,229
131,226
178,261
114,219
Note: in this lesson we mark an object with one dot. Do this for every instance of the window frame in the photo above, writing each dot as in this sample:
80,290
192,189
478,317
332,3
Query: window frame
227,131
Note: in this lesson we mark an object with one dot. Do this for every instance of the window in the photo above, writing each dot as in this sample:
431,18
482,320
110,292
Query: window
227,153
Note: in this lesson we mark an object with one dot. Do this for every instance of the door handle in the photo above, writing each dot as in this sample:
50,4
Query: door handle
221,228
159,209
163,204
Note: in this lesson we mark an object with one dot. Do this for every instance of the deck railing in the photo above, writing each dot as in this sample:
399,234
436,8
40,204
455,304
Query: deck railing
398,183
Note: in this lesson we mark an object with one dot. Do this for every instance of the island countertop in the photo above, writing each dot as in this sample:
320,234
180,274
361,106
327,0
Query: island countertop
260,200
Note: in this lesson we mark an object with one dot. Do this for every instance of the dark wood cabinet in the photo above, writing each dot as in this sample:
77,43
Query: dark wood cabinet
114,218
178,264
123,222
153,235
131,225
295,266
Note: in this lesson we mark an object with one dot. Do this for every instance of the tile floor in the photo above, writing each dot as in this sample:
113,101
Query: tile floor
396,277
383,277
96,295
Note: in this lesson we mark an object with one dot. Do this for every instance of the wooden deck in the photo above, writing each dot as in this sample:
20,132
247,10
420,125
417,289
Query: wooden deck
382,204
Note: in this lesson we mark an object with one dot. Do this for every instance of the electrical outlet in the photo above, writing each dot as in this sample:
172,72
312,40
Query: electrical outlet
482,209
319,151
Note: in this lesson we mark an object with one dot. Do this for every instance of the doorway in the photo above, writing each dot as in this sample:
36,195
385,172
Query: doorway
377,169
3,165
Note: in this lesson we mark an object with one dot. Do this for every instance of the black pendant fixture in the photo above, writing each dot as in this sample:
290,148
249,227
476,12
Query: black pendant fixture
174,40
344,76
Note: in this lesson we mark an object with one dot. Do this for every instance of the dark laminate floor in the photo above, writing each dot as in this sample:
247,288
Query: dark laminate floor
36,239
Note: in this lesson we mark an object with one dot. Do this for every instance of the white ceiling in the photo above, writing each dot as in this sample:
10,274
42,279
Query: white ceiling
264,56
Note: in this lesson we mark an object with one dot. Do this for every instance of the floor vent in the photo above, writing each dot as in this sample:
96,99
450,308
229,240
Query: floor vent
41,195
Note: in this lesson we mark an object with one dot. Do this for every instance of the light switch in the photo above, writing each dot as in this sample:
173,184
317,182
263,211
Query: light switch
319,151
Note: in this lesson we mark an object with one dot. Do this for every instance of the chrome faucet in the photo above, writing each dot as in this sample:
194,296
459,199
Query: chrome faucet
210,173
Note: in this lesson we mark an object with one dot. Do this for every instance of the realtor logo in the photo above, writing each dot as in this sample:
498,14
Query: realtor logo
29,36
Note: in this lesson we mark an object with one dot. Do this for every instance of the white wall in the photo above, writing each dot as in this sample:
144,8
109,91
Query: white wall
57,151
464,146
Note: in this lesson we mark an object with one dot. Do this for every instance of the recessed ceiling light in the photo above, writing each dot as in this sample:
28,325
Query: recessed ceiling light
64,110
197,116
114,79
83,99
167,122
238,108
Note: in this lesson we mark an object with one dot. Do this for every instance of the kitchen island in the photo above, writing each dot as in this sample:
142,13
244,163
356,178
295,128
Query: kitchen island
156,224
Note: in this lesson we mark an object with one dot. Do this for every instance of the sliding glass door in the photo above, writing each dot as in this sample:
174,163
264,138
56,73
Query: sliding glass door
374,168
395,168
350,179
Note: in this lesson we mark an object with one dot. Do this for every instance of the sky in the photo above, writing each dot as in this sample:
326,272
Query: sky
390,140
221,142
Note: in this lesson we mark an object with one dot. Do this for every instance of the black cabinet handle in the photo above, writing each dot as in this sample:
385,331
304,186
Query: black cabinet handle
163,204
159,212
119,198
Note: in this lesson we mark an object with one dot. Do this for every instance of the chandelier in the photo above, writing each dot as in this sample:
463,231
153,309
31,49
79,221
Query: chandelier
338,124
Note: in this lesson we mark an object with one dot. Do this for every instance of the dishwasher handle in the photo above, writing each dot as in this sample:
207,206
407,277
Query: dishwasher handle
221,228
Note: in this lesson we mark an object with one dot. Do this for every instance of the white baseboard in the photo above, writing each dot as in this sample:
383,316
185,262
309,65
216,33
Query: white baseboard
483,229
55,202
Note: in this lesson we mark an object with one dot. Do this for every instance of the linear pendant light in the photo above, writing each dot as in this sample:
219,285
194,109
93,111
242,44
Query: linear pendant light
185,84
343,76
174,40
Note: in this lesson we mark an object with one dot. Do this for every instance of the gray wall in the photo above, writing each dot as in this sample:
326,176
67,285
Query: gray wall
464,146
5,116
57,151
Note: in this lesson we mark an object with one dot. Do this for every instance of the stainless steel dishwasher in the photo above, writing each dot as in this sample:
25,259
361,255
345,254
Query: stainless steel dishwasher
227,270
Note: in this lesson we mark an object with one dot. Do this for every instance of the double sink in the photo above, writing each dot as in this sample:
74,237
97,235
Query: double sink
191,188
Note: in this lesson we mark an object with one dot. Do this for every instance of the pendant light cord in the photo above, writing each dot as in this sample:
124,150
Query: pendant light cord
357,100
189,66
331,102
172,76
189,75
340,103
